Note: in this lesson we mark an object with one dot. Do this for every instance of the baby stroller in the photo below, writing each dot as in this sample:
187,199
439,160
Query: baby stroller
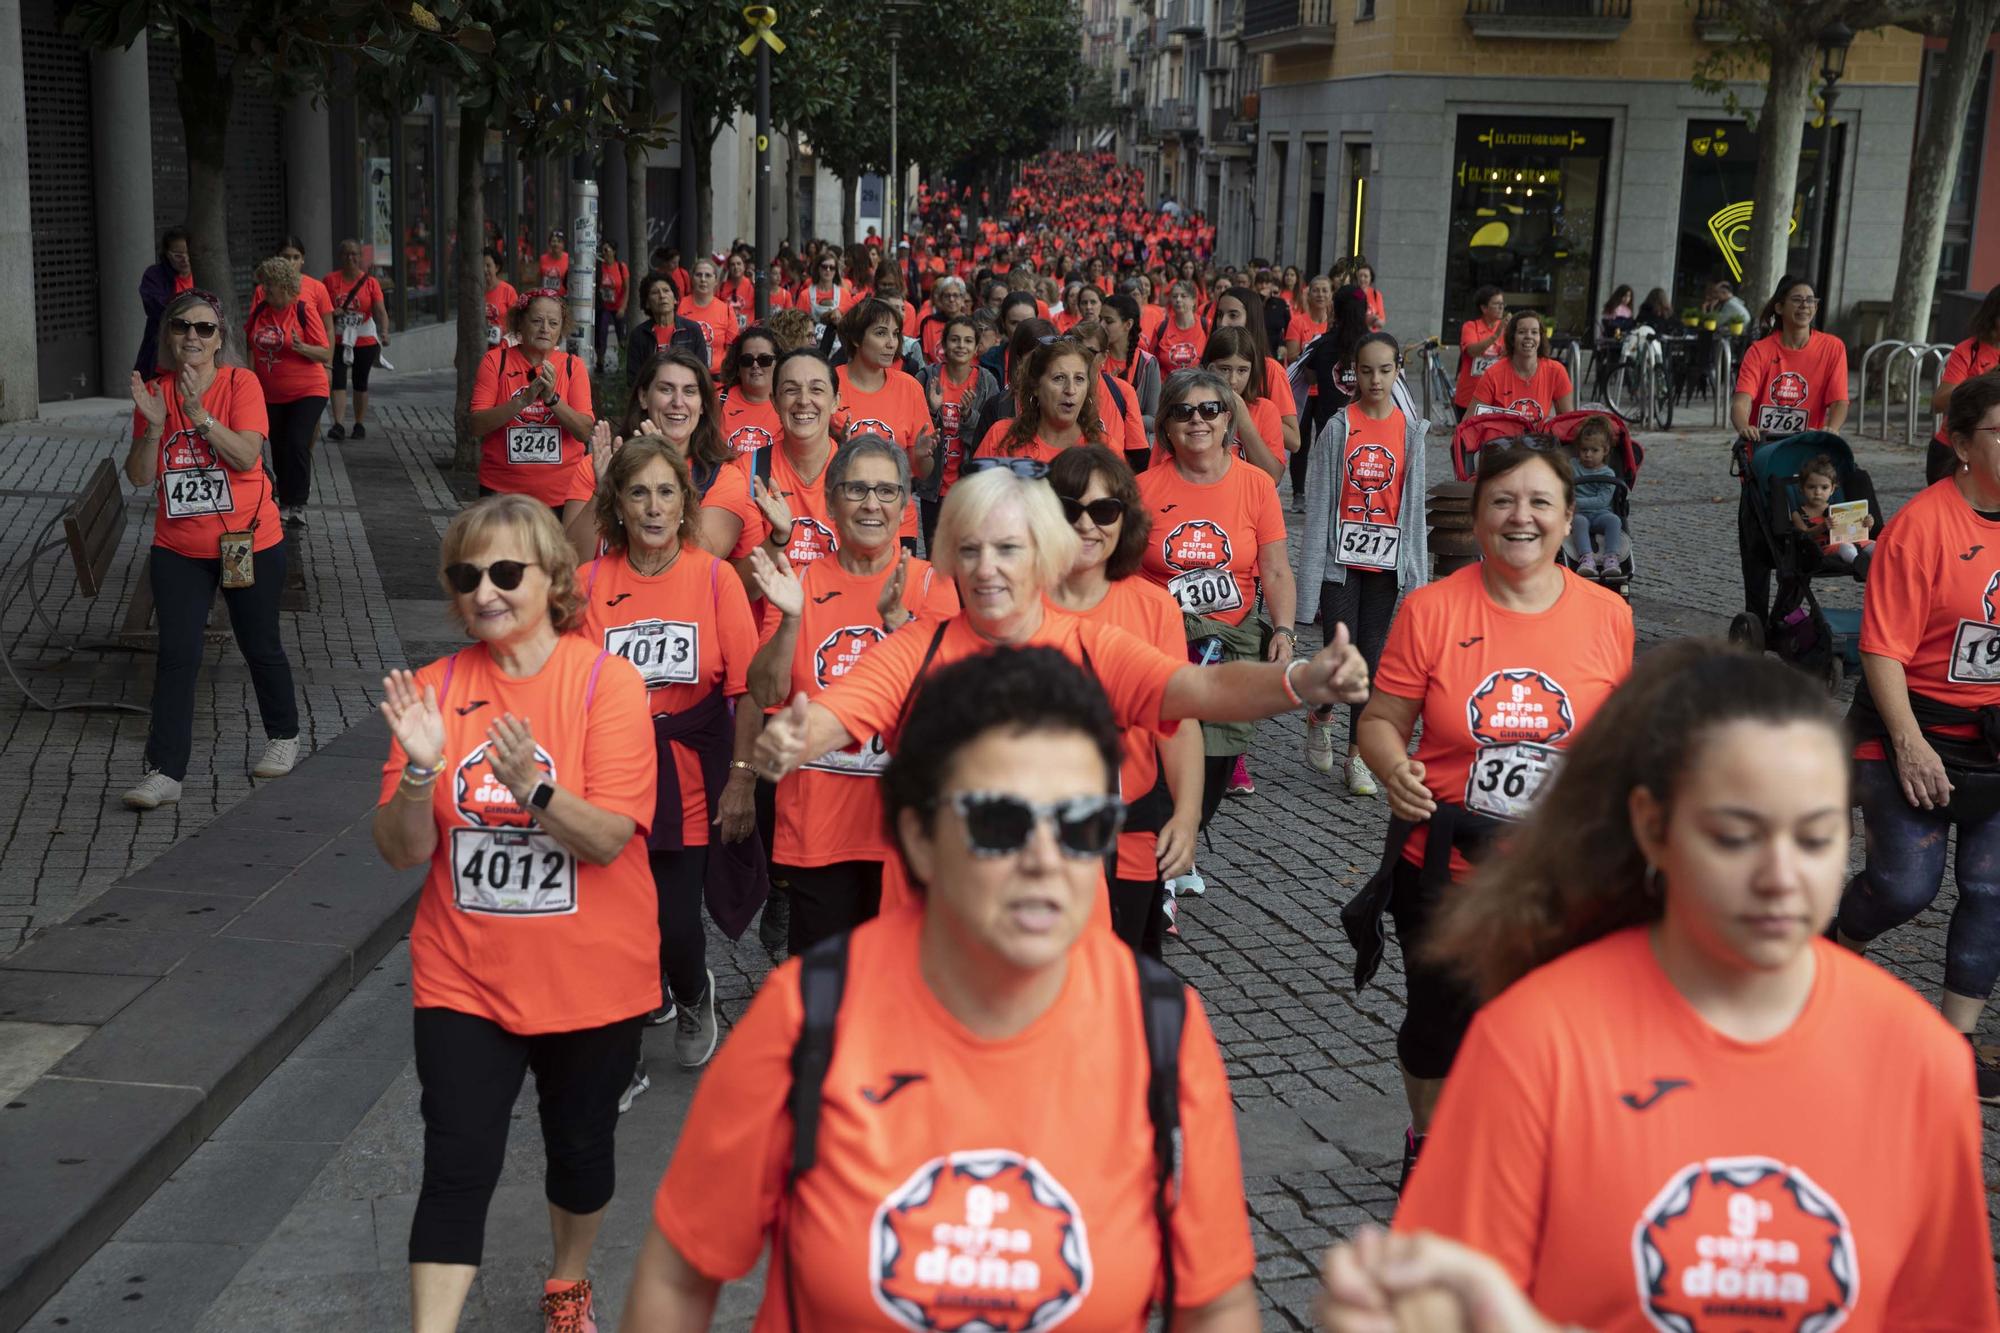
1481,428
1625,457
1823,641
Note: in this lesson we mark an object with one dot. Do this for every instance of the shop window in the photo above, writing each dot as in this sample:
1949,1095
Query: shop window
418,221
1527,208
1718,185
376,225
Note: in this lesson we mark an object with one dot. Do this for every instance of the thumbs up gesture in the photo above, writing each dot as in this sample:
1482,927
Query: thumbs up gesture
782,745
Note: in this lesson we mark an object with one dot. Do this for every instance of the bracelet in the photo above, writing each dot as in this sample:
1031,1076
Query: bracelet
1291,693
747,768
420,773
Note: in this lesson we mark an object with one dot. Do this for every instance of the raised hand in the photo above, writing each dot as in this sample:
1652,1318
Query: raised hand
190,389
1336,674
772,506
511,753
890,603
603,445
414,718
148,401
781,747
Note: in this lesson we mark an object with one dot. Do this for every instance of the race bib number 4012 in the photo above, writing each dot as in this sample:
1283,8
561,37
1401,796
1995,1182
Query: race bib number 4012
511,872
667,652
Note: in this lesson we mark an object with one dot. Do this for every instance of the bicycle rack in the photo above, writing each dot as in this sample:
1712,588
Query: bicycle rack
1725,378
1921,356
1892,345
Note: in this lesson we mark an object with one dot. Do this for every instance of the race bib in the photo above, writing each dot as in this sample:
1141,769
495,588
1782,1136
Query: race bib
492,335
866,760
667,652
534,444
511,872
1505,779
1203,592
1975,654
1481,409
1369,545
1775,420
1482,364
197,492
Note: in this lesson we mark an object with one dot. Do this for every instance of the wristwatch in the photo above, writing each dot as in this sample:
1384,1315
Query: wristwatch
539,798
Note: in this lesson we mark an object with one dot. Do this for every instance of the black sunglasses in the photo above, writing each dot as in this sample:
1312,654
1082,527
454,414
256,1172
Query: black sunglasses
999,824
1028,469
203,327
763,361
1209,410
506,575
1103,511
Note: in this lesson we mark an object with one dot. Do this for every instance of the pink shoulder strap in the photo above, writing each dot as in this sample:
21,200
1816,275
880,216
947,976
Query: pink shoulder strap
590,689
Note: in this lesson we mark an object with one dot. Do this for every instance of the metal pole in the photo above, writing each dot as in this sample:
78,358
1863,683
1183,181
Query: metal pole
890,226
763,181
1820,188
583,249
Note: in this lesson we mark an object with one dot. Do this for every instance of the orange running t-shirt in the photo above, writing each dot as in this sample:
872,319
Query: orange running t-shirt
1178,348
1933,602
1143,609
510,926
364,304
1371,489
717,322
202,495
935,1203
500,299
951,409
1791,390
286,375
1636,1170
1534,397
831,809
994,444
748,426
1968,360
729,491
688,631
1502,691
1303,329
1278,388
1207,538
1471,367
898,412
533,455
1264,415
812,526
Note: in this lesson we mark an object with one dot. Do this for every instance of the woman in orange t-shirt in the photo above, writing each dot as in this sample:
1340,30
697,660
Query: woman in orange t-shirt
1978,354
198,431
1363,276
1479,345
289,350
749,418
893,1200
1663,1116
675,612
1232,354
360,335
712,315
1239,307
1309,320
1161,773
1055,394
1526,382
612,277
501,298
830,845
1179,339
531,404
520,772
1505,662
877,395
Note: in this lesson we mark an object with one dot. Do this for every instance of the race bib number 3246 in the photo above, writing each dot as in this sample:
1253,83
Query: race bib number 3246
534,444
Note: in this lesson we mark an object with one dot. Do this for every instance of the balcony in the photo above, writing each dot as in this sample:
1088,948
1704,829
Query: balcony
1286,25
1175,117
1712,22
1188,17
1549,20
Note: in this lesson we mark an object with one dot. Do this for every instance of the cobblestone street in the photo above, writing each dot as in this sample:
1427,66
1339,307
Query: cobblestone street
295,1213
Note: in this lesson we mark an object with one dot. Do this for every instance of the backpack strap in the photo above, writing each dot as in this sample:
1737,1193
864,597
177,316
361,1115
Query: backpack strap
923,669
1117,395
822,979
590,687
1163,1011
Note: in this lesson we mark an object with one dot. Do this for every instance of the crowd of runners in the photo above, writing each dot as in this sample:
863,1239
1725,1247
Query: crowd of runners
927,623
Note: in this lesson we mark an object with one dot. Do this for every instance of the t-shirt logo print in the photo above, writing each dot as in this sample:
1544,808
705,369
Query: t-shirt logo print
1986,598
840,650
870,426
1370,470
1527,407
1744,1241
483,799
1790,389
1196,544
267,344
985,1241
749,439
1519,704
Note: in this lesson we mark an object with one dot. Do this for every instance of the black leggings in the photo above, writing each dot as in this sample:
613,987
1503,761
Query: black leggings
678,877
828,900
471,1070
1366,603
292,427
1754,549
1139,913
1298,462
1215,770
364,361
1439,1006
183,591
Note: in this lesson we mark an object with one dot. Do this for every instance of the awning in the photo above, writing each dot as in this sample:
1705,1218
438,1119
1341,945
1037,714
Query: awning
1105,138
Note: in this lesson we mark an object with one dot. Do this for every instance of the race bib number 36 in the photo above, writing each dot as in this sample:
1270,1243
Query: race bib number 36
1975,654
1369,545
511,872
1505,779
1203,592
196,492
667,652
1774,420
534,444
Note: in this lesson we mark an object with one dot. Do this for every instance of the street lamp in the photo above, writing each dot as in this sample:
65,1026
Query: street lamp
897,10
1834,39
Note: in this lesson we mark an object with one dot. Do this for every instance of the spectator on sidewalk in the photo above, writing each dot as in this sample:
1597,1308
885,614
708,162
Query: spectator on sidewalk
161,283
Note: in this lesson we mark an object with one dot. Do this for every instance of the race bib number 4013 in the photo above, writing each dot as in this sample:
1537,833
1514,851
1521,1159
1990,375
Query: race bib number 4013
511,872
667,652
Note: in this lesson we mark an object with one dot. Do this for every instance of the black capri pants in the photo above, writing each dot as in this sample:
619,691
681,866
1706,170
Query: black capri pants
829,900
292,427
1366,603
1439,1006
471,1070
364,361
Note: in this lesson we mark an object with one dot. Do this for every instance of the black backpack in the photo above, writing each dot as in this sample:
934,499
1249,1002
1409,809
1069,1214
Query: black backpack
1163,1010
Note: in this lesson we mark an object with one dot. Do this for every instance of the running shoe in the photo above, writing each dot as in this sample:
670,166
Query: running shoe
1191,884
1413,1144
694,1038
336,432
567,1307
1239,780
361,433
279,756
1985,1072
155,789
774,928
1170,909
665,1013
638,1085
1319,741
1360,782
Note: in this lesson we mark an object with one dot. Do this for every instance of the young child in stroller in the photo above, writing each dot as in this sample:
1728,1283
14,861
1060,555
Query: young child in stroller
1597,541
1818,480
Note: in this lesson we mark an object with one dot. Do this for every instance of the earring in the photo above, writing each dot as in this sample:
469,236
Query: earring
1653,884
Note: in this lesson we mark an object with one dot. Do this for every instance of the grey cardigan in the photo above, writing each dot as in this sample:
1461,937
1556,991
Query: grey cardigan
1326,467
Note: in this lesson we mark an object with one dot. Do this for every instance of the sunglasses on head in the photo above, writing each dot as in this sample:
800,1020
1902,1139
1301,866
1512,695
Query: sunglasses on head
506,575
1103,511
204,328
1209,410
1000,824
763,360
1028,469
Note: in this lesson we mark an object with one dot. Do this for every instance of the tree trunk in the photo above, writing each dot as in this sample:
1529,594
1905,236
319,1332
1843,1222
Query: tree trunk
795,228
850,189
640,261
1936,165
704,198
471,279
1780,134
205,93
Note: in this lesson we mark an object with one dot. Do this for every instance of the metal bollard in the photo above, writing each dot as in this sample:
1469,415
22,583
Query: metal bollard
1889,347
1725,378
1920,359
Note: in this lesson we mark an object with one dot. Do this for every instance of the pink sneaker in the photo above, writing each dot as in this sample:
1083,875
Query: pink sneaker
567,1307
1239,779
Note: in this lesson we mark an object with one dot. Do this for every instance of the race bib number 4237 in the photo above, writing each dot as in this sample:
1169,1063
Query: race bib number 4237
667,652
198,491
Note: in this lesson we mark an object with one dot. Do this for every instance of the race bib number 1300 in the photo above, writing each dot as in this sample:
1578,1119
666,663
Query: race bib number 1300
1203,592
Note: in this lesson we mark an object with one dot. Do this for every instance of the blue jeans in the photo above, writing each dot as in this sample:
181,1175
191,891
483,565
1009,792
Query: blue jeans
1905,869
1583,527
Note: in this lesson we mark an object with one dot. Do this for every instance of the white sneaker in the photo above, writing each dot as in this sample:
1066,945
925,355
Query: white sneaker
279,756
638,1085
1319,741
154,790
1360,782
1190,883
695,1030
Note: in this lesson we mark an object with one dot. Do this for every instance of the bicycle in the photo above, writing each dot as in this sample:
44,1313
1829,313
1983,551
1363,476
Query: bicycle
1637,387
1436,379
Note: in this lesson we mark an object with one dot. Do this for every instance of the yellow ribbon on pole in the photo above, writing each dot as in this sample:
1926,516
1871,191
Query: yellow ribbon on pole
761,18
